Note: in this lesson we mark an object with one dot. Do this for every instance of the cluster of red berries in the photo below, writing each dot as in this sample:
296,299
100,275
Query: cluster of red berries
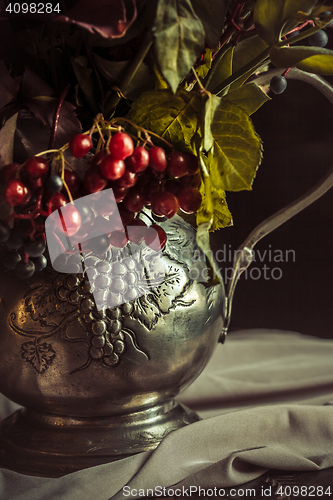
139,176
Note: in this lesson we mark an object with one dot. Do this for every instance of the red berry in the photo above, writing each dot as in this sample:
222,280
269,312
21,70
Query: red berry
138,161
137,231
165,204
26,198
96,161
36,167
57,201
191,180
73,182
69,220
16,193
157,159
79,145
128,179
177,164
149,189
35,183
189,200
105,205
192,163
118,239
94,181
121,146
9,171
173,186
112,168
119,193
134,201
155,237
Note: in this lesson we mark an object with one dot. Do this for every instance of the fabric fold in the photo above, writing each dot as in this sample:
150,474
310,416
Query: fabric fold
286,381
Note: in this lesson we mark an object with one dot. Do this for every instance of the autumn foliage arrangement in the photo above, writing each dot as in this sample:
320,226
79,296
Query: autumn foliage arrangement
151,99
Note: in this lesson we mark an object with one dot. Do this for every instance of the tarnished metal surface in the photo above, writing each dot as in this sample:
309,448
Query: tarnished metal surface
104,380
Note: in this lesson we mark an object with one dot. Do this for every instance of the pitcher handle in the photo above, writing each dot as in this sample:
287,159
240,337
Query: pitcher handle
244,254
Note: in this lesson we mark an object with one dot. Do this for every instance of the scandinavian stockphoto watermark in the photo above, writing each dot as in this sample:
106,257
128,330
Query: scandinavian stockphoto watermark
263,264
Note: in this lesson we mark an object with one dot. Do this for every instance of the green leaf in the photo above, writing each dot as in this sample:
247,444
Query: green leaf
312,59
214,210
230,165
212,103
179,39
250,97
172,116
203,69
245,52
212,15
7,140
113,72
269,16
232,162
222,69
320,64
237,148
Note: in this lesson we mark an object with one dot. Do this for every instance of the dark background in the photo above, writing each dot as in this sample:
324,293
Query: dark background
296,129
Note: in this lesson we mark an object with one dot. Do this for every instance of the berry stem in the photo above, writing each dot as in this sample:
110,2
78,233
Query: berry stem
63,176
141,129
301,36
202,88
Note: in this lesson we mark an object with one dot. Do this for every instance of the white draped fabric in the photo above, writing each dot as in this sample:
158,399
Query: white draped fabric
266,399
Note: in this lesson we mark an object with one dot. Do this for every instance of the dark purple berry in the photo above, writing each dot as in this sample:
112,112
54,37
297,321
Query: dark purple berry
99,244
24,270
11,259
278,84
34,248
15,240
4,232
54,184
39,262
318,39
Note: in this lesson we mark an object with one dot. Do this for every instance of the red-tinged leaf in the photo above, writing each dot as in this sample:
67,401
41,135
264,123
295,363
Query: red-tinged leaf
9,86
68,124
212,15
33,85
7,140
32,136
42,107
108,18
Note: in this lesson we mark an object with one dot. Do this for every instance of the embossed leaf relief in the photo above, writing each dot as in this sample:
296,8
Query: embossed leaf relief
158,302
40,355
141,285
44,301
181,246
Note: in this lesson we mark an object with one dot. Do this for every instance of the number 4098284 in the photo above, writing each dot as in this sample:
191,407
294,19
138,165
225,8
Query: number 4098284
33,8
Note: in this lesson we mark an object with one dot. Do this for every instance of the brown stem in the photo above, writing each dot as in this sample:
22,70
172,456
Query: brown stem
56,117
